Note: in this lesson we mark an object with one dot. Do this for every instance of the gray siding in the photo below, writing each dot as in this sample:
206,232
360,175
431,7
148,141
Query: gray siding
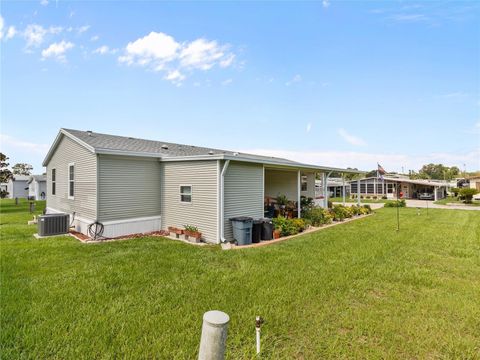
85,202
202,211
243,193
128,187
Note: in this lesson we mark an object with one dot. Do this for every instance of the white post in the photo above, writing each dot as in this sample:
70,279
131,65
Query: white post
343,188
358,192
375,187
299,188
435,193
325,190
214,335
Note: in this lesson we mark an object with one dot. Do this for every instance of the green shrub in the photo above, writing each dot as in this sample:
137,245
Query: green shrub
467,194
288,226
341,212
384,197
455,191
317,216
394,203
367,197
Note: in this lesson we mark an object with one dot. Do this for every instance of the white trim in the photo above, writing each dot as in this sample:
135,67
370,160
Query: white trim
82,219
51,182
61,133
299,192
123,221
180,193
70,197
263,190
222,203
218,202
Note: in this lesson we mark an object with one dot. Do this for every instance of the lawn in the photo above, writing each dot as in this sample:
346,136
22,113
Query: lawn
357,290
456,201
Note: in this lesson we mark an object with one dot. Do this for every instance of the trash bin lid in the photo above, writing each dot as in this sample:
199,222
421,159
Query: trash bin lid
267,220
259,221
241,218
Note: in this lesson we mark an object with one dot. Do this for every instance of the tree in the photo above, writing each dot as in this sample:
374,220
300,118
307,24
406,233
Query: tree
22,169
467,194
5,173
435,172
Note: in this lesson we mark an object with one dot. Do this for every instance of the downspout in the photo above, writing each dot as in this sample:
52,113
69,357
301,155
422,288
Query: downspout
222,201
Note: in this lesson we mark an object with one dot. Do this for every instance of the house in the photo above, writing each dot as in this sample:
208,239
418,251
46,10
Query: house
390,185
37,187
17,186
133,185
474,182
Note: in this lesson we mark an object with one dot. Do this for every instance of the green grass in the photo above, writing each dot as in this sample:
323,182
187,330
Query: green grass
456,201
365,201
358,290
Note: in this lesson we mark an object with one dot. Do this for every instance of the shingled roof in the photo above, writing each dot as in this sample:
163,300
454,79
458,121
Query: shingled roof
166,151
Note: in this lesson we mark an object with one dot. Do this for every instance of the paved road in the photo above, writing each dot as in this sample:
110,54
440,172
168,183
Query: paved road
423,204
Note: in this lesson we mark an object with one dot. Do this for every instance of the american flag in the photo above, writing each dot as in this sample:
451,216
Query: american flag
380,171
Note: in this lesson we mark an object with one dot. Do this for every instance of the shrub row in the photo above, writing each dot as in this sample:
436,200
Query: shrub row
394,203
289,226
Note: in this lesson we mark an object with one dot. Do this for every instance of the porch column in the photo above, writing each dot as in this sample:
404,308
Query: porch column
343,188
299,187
375,187
358,192
435,193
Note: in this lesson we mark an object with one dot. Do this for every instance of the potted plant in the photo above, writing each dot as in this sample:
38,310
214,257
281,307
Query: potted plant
192,231
175,230
277,233
282,202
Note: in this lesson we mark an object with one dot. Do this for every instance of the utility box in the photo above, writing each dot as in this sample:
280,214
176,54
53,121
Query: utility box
53,224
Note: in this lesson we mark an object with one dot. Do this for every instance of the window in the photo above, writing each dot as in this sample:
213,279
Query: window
304,183
71,181
185,193
53,179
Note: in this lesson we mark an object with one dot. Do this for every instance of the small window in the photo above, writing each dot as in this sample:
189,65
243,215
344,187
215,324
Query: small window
186,193
304,183
71,181
54,179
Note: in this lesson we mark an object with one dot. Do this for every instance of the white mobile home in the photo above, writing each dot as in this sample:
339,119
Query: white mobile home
17,186
389,186
133,185
37,187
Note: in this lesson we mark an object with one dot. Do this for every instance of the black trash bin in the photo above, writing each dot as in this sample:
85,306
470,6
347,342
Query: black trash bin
257,230
242,229
267,229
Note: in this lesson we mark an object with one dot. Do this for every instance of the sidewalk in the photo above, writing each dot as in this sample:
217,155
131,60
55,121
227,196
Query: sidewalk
431,205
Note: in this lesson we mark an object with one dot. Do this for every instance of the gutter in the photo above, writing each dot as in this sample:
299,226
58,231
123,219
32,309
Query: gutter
222,201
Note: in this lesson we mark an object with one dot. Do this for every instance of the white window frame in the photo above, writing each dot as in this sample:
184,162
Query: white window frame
180,193
53,182
69,180
303,181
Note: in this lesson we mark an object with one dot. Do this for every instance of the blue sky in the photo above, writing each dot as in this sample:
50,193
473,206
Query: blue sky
327,82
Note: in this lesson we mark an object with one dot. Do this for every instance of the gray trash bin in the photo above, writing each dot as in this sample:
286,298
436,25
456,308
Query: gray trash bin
242,229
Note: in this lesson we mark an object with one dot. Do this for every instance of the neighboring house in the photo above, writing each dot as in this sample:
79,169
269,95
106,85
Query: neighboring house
336,187
134,186
389,186
37,187
474,182
17,186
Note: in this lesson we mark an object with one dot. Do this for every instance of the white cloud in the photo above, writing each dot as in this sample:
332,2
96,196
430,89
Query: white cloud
309,127
83,29
203,54
11,142
57,50
175,76
160,52
34,35
55,29
296,79
94,38
44,2
368,161
326,3
227,82
103,50
11,32
351,139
